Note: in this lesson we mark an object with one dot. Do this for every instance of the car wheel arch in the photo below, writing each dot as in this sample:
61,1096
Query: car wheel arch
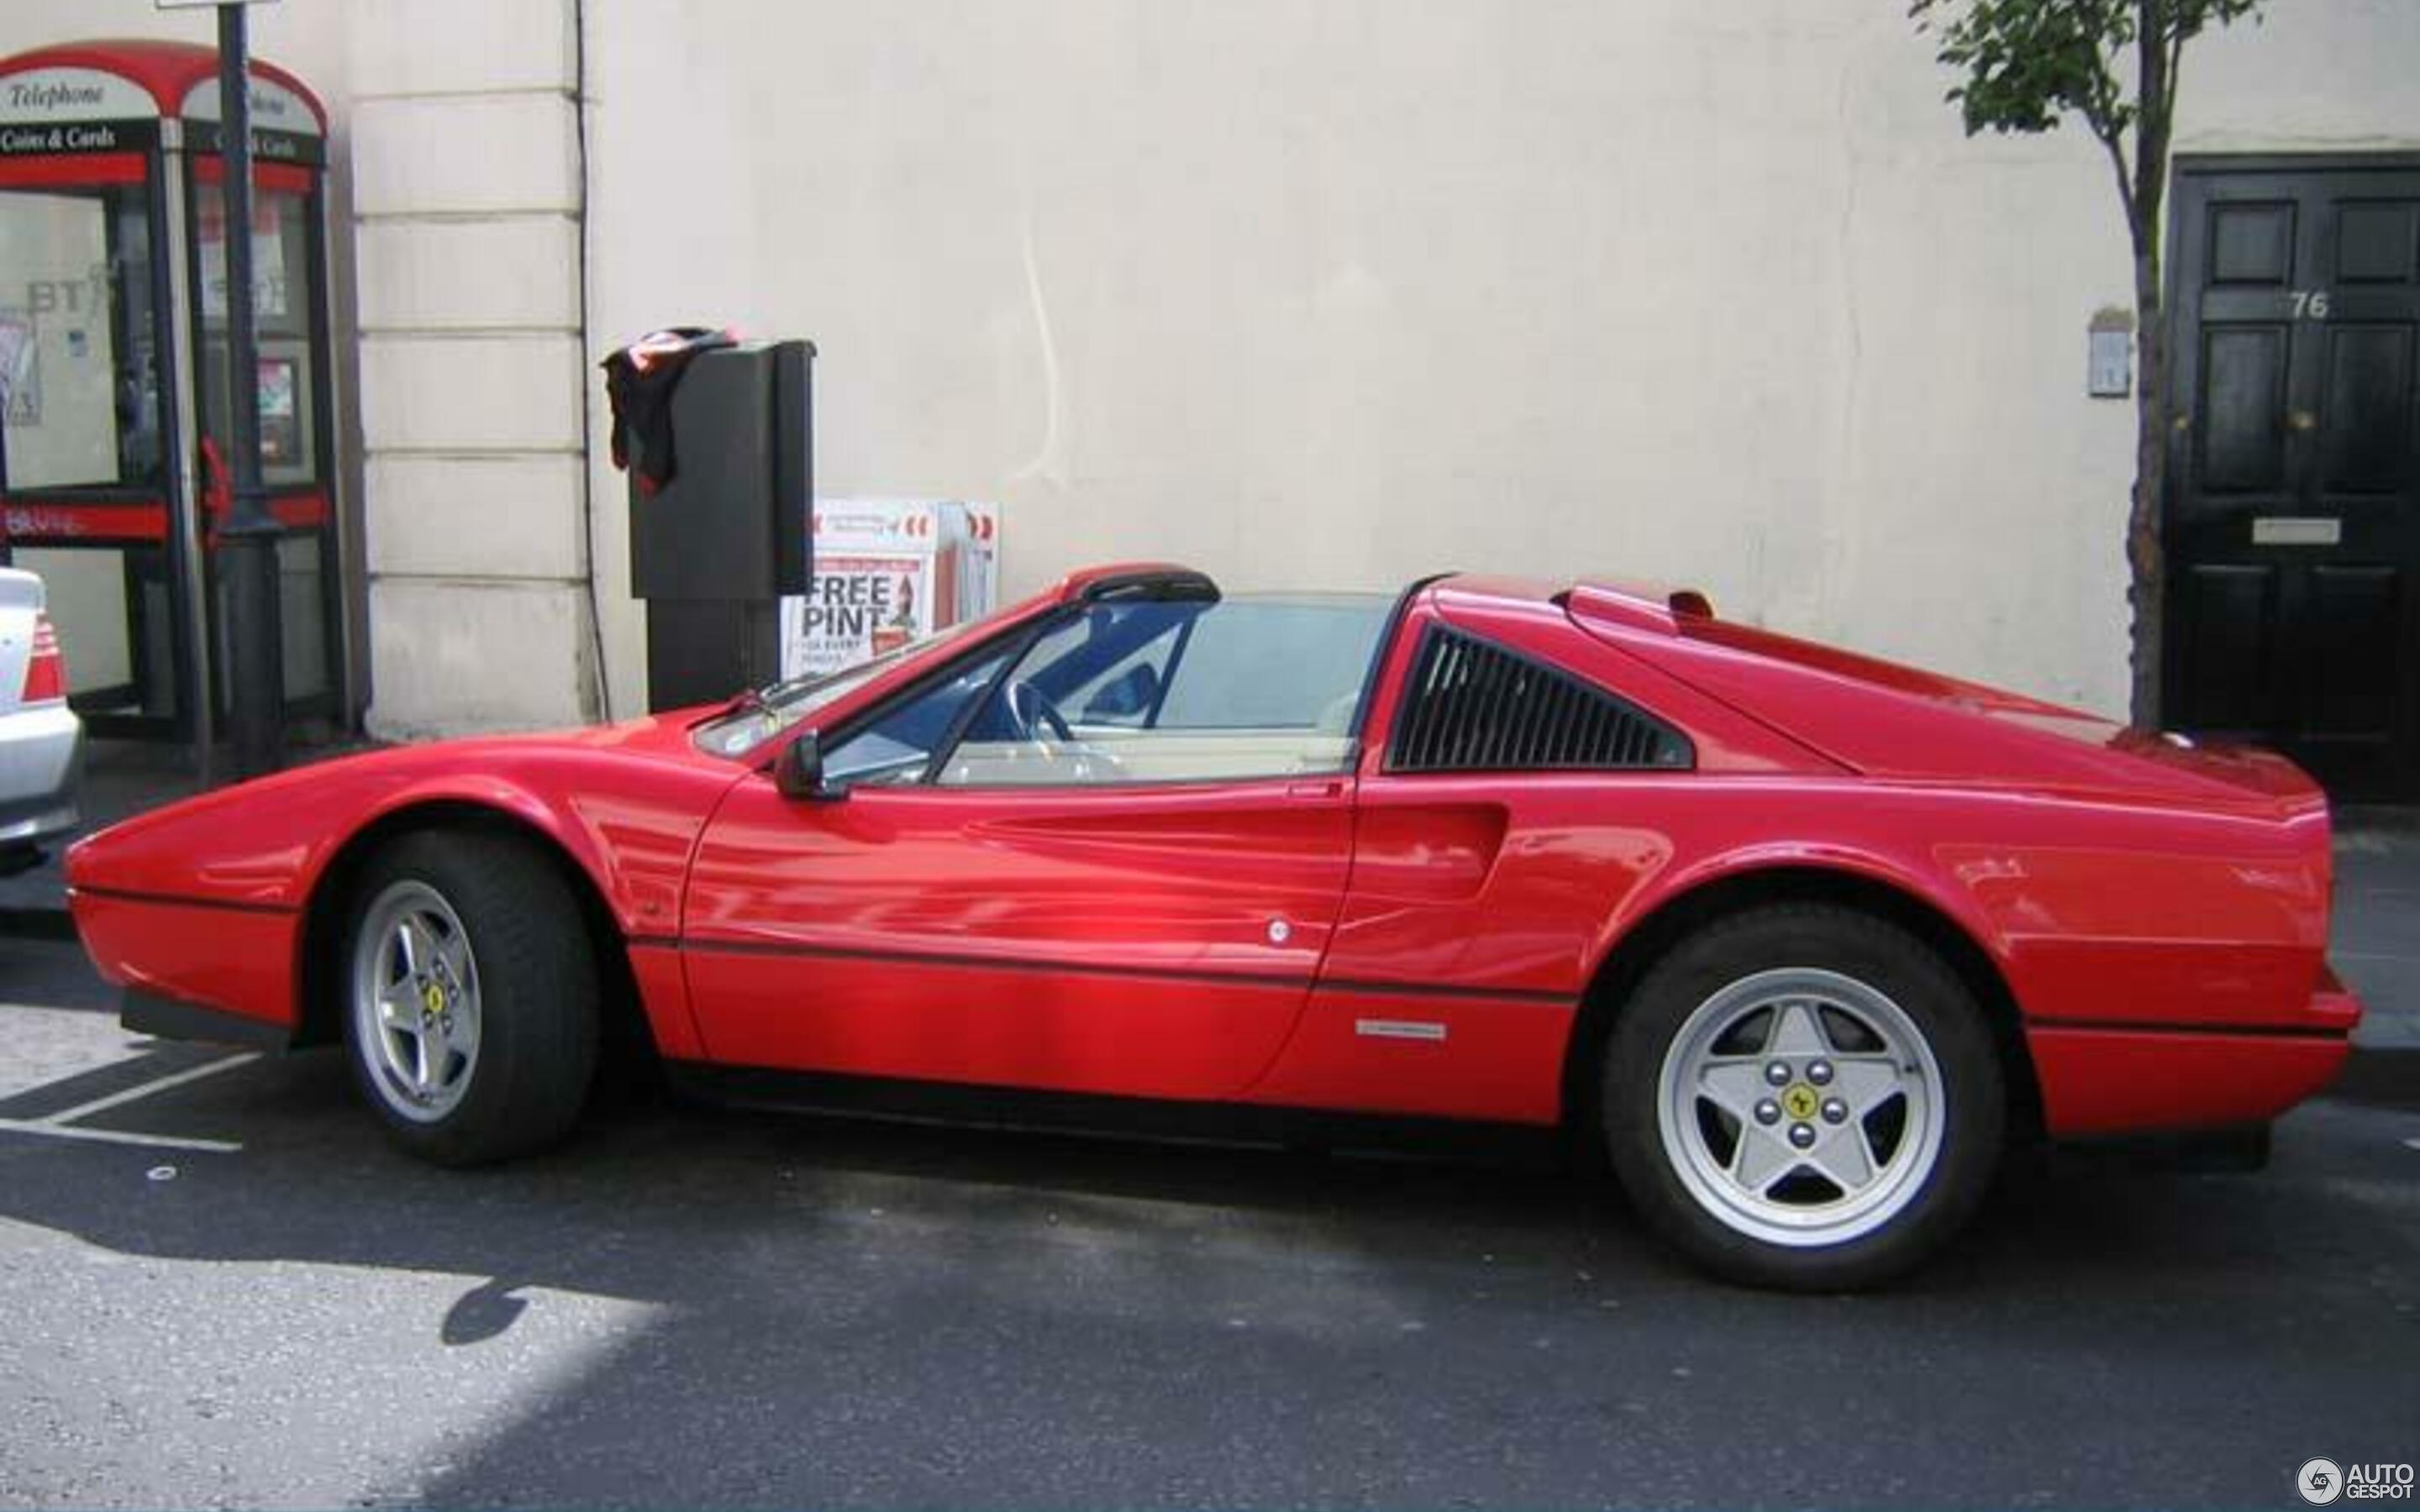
1644,940
329,901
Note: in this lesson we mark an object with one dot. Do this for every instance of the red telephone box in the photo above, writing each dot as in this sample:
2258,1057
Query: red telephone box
114,378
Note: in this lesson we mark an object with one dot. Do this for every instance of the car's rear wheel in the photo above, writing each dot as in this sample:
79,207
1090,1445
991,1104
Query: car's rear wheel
471,999
1804,1096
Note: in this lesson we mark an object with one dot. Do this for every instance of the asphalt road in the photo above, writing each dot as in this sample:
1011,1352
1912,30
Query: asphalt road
702,1308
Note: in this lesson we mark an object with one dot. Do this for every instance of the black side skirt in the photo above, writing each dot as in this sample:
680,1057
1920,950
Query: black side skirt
1007,1107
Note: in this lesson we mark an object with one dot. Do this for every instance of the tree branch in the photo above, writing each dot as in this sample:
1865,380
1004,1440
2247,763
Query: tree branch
2117,149
2155,97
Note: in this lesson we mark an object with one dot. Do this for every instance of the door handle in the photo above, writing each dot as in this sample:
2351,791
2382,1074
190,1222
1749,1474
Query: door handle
1326,787
2301,421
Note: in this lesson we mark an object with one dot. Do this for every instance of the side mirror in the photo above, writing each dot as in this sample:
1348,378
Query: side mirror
798,772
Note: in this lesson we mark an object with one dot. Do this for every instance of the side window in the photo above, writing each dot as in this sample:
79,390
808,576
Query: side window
1475,707
1178,692
899,745
1127,694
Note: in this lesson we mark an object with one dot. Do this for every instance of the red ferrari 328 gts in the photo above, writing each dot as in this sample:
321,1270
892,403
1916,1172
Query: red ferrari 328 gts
1805,938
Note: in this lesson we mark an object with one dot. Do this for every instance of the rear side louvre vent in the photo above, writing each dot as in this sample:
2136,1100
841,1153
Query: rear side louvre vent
1475,707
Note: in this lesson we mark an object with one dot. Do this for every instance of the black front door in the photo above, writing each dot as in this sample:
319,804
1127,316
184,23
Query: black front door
2293,525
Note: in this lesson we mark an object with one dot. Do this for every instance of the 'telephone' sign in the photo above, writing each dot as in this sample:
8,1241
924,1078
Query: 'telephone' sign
47,96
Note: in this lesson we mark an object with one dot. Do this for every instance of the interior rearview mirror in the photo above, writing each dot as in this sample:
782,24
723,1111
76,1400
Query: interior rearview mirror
799,771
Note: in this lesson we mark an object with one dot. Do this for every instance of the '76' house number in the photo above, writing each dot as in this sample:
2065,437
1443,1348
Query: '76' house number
2310,303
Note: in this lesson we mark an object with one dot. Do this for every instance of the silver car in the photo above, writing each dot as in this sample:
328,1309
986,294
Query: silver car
42,740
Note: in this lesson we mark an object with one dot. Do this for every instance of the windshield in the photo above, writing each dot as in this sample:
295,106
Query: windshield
757,716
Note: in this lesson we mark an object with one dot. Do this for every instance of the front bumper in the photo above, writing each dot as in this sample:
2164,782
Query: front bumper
41,772
234,960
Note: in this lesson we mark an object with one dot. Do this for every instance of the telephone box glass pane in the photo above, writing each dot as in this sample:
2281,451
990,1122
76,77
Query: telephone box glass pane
285,312
78,382
301,614
111,604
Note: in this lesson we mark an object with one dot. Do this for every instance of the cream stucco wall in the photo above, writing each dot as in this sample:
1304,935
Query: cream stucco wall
468,201
1343,292
1325,292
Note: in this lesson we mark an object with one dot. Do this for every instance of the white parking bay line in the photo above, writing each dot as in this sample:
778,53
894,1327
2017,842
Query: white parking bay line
114,1137
62,1125
190,1074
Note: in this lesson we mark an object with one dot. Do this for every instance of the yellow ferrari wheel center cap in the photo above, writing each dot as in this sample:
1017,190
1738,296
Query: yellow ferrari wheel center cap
434,998
1800,1101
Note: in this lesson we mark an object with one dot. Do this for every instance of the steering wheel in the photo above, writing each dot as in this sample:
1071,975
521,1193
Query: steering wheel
1033,712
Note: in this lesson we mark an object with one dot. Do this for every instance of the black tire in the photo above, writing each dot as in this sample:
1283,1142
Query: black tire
535,973
1927,1201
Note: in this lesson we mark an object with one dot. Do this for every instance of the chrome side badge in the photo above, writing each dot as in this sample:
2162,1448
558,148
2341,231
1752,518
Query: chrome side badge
1399,1029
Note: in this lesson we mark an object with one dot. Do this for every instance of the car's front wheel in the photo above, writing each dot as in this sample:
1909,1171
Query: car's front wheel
1804,1096
470,996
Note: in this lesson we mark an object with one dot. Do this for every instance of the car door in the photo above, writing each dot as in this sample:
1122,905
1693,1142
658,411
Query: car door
1512,797
1128,895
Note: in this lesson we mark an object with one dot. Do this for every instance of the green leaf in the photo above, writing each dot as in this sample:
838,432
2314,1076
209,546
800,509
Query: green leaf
2025,65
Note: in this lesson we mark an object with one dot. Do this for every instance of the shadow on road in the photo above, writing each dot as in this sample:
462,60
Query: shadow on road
850,1312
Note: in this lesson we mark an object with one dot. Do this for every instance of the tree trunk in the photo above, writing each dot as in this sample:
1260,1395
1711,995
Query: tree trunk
2145,594
2143,557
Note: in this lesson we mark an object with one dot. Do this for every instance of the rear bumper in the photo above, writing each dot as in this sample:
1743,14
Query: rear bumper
41,770
2107,1079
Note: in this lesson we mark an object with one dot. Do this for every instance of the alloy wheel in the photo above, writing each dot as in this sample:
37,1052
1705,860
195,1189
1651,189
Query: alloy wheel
415,1001
1801,1107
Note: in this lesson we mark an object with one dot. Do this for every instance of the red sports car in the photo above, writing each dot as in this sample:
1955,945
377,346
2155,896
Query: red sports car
1804,937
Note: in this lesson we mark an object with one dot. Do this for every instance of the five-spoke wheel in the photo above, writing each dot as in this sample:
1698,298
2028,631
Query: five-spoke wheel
1804,1096
415,1000
1803,1103
471,994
